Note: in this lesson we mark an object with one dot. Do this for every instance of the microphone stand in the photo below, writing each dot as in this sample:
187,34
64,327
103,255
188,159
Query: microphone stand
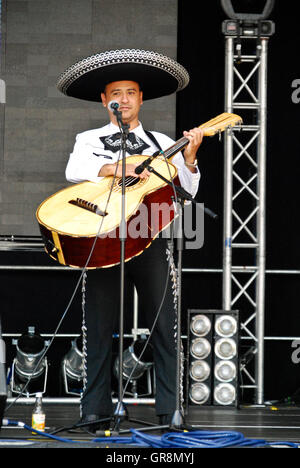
120,410
177,421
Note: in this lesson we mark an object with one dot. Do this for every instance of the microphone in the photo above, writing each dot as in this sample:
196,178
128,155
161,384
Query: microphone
139,169
113,105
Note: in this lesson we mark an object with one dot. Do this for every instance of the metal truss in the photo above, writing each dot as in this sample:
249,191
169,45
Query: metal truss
245,201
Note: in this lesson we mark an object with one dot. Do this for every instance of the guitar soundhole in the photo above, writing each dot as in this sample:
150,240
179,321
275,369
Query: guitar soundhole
129,181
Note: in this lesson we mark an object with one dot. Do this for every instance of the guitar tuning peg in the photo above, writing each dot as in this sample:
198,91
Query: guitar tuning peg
229,130
220,135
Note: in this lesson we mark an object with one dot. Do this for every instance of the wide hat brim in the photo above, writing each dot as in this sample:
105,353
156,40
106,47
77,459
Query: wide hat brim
157,74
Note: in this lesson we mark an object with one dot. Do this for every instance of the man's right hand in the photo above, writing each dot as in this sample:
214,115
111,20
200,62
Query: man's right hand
110,170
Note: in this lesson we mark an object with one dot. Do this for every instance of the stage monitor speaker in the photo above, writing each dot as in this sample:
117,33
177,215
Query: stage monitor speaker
3,390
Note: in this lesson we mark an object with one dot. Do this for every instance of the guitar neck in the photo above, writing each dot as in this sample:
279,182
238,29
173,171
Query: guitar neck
210,128
180,144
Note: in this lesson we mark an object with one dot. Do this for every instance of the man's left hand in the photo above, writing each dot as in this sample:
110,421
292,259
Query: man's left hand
195,137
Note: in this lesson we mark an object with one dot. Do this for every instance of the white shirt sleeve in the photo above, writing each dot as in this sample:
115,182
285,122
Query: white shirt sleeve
86,160
188,180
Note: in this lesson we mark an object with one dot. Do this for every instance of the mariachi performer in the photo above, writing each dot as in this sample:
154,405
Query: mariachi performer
128,77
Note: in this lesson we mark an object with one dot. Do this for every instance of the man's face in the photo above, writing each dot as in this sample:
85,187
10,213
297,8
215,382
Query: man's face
129,97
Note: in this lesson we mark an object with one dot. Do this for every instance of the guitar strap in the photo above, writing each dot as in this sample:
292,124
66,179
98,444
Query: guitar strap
153,139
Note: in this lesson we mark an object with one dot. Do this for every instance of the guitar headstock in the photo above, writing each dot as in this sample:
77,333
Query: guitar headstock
221,123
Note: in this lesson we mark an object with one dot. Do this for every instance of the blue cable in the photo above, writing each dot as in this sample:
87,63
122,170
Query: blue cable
190,439
9,422
193,439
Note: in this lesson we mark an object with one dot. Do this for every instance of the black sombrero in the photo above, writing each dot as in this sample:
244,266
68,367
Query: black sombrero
157,74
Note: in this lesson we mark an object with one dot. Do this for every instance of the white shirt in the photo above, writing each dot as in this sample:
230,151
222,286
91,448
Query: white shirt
89,155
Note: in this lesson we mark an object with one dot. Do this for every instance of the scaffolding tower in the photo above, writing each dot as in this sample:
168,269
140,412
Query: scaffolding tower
244,253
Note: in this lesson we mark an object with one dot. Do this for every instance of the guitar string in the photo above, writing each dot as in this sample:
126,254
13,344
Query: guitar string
128,181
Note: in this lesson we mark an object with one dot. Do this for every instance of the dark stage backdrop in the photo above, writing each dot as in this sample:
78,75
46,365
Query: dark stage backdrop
39,40
201,48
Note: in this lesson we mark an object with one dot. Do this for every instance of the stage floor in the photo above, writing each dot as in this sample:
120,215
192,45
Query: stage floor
271,424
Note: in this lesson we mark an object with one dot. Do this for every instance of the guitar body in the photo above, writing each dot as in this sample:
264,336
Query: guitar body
71,233
80,224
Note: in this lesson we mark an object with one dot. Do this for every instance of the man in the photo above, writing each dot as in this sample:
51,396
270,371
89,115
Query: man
127,77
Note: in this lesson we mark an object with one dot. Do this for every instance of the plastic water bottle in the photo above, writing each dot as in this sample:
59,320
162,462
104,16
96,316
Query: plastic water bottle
38,414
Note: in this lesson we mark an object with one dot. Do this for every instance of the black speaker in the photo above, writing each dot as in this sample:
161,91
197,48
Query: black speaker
3,390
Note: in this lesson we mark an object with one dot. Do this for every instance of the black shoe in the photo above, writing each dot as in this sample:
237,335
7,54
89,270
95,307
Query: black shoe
165,419
95,422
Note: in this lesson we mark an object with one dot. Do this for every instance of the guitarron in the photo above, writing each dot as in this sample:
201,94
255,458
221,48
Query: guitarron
80,224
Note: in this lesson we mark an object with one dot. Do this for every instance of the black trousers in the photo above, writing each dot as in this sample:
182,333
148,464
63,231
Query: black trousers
149,272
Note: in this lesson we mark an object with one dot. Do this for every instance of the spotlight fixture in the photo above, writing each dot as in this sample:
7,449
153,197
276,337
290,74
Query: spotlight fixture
253,10
199,370
212,374
225,348
225,394
226,326
73,368
200,325
225,371
200,348
135,365
199,393
29,364
248,18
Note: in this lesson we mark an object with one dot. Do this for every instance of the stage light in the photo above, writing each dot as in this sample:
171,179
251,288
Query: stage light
225,371
226,359
226,326
73,368
199,393
136,365
225,394
29,363
200,325
225,348
254,10
200,348
199,371
212,374
247,18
